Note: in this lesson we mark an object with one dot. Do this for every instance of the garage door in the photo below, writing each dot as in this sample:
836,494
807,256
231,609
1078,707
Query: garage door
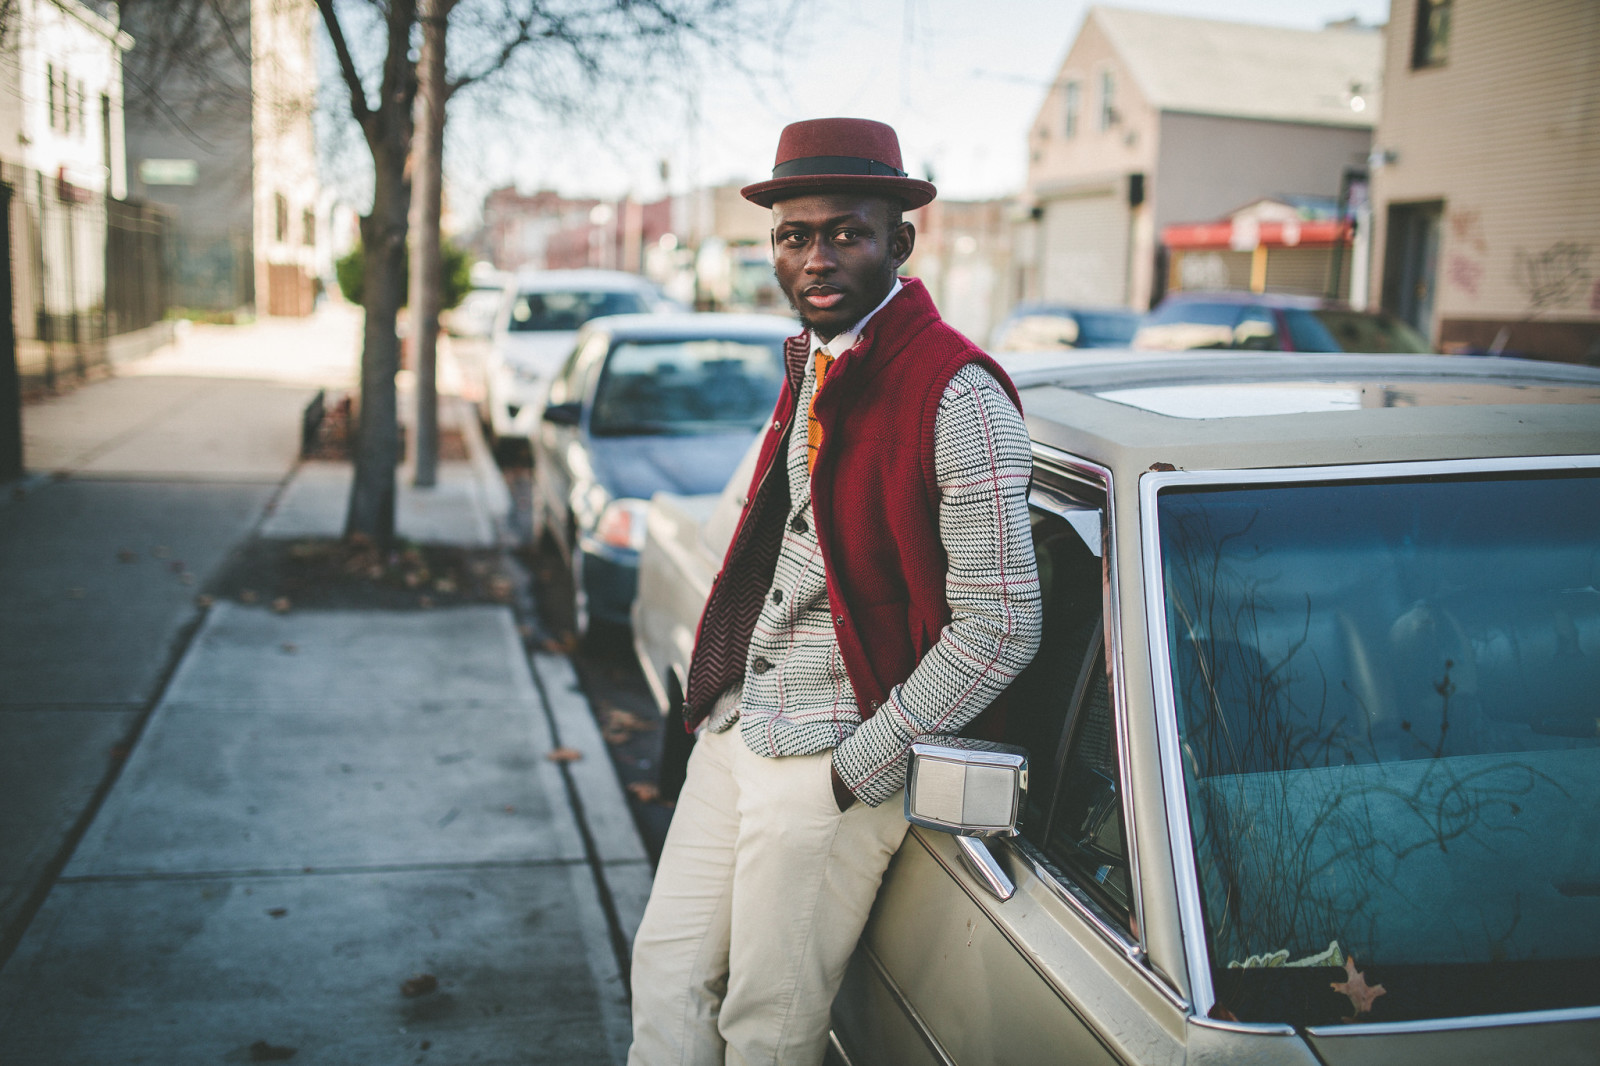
1085,256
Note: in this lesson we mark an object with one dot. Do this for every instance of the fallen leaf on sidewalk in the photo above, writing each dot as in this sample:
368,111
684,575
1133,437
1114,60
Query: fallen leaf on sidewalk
176,566
288,647
261,1051
277,912
281,605
203,601
425,602
127,555
644,791
444,586
186,578
160,551
248,596
564,755
419,985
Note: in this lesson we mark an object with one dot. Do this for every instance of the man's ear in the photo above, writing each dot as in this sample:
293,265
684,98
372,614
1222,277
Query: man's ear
903,241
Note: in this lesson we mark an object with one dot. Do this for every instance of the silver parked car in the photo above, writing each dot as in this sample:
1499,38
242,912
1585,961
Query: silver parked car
538,320
1307,769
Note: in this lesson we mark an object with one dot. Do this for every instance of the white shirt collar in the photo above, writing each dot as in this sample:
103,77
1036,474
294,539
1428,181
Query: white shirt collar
847,340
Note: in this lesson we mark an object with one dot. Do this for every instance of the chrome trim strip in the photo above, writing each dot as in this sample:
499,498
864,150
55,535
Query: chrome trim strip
1131,949
1244,1028
838,1048
1111,626
1178,828
911,1012
1441,1025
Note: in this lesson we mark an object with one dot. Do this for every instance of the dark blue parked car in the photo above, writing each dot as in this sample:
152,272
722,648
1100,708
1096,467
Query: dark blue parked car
644,404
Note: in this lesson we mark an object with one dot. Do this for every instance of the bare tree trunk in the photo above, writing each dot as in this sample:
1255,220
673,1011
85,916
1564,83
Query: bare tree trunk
427,272
388,131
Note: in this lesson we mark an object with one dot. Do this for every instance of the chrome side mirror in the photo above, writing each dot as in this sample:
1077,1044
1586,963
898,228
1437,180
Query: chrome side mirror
973,789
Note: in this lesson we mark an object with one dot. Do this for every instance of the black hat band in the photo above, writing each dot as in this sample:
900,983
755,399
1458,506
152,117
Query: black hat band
834,165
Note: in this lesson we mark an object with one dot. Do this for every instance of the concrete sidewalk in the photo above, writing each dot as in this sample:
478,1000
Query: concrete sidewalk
328,810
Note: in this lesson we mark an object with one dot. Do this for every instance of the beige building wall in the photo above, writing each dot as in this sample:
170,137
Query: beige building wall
1087,245
284,82
1506,135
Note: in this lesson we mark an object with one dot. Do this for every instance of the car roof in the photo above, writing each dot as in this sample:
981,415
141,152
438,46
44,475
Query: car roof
1265,299
695,324
1131,410
582,280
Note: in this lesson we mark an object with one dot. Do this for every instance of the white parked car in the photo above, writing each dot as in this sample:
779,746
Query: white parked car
539,317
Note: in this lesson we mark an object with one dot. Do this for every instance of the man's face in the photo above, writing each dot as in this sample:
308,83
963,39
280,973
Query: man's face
836,254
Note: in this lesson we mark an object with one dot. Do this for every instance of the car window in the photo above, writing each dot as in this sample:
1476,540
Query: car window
1365,331
1257,331
1060,710
687,386
1041,330
549,311
1183,324
1386,702
567,386
1106,329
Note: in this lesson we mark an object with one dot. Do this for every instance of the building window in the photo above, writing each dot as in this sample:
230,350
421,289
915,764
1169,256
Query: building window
308,224
280,205
50,75
1073,94
1108,101
1431,45
83,110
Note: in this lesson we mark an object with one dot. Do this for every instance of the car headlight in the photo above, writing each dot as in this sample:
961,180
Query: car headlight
622,524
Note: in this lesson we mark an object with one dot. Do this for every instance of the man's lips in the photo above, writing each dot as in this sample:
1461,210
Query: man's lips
822,297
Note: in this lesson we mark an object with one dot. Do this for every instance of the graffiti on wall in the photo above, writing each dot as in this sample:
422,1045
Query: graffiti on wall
1463,267
1555,276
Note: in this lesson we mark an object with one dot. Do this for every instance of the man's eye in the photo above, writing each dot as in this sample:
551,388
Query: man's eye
846,235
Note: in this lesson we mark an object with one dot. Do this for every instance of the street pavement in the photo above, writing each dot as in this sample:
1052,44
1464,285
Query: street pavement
232,833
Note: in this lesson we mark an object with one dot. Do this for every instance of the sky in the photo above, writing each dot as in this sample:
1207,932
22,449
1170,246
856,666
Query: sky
960,80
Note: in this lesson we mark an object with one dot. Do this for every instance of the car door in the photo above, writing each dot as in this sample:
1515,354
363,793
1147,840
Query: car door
948,973
558,457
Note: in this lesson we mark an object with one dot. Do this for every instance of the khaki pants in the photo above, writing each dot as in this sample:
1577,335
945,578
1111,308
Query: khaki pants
760,897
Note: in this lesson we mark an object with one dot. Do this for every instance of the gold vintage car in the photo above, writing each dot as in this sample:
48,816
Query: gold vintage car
1312,744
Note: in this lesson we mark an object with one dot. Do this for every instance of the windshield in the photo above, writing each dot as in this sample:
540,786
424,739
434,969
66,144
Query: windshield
543,311
1352,331
1068,329
1388,699
687,386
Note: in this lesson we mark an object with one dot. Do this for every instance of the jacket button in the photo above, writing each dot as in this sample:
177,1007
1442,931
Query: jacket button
744,501
776,425
874,705
798,525
761,666
838,619
777,595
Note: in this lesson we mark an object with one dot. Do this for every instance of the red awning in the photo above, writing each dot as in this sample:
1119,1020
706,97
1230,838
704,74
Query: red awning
1187,236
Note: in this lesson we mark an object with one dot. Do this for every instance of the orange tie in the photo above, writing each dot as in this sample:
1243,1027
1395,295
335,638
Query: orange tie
813,427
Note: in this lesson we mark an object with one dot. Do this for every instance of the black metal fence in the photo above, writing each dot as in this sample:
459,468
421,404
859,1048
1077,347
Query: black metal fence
90,278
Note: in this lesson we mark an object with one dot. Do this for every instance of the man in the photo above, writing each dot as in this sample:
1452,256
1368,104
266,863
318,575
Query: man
880,585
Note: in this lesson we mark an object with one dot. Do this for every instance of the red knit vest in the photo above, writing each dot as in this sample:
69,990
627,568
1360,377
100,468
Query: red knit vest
874,501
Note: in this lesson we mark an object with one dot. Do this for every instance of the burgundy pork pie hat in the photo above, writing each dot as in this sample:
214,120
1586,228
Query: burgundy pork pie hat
826,154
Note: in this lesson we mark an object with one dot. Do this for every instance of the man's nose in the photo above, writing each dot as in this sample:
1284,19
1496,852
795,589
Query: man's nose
820,258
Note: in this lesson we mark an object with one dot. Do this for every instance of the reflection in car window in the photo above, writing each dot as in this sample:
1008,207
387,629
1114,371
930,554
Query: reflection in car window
692,386
1060,711
547,311
1185,324
1256,331
1364,331
1388,696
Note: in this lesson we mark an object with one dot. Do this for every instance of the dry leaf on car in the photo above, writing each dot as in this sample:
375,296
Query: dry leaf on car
564,755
